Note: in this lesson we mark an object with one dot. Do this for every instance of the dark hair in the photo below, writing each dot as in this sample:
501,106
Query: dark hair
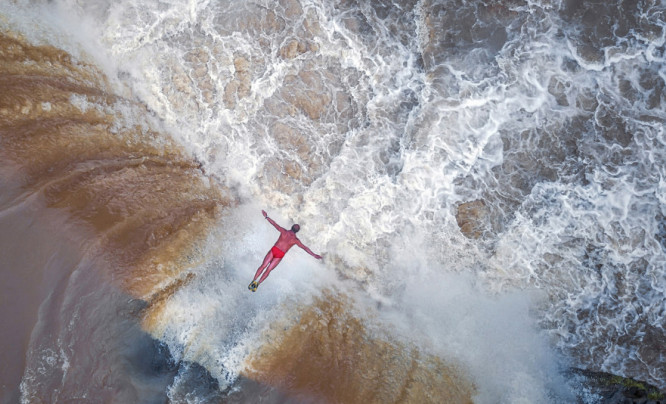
295,228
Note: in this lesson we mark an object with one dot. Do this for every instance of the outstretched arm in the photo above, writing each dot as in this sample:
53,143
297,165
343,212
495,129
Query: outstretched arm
303,246
271,221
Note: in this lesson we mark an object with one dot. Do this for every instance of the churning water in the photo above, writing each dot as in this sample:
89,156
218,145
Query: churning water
370,123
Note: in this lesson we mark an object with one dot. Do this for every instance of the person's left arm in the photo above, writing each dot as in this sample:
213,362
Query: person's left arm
303,246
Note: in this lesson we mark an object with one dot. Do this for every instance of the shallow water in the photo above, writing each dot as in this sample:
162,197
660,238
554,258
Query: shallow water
369,123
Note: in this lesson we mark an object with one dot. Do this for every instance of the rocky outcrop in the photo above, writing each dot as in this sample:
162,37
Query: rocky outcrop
605,388
472,218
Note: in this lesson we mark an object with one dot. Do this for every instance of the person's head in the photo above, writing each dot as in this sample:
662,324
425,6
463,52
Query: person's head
295,228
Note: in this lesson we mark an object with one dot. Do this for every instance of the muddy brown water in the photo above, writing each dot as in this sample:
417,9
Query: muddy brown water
100,217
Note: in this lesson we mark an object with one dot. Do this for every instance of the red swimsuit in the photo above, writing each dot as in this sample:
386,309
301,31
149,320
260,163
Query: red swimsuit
277,253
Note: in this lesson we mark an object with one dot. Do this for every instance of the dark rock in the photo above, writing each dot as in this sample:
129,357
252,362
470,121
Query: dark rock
605,388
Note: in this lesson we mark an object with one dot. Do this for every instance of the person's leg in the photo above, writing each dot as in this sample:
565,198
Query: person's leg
272,266
264,264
